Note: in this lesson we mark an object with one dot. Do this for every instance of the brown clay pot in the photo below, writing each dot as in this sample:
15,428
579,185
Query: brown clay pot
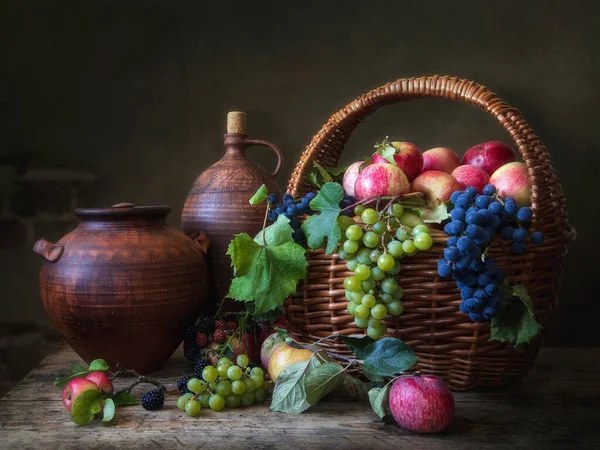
124,285
218,205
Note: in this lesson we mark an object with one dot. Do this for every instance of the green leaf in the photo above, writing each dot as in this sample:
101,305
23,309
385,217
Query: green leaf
387,357
354,387
431,214
322,380
125,399
265,275
108,410
379,400
335,172
98,364
357,344
312,178
289,395
324,174
259,196
278,233
386,150
515,322
86,406
62,382
324,225
77,368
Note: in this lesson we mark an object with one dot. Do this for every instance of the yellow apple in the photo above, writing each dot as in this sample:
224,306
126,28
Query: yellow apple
284,356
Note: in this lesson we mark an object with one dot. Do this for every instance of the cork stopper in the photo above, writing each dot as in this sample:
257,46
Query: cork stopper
236,122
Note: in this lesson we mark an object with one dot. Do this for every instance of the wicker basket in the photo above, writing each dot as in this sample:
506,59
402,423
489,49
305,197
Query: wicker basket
448,344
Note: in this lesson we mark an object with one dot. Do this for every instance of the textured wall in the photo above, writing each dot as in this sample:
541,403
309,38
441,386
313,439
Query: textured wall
136,93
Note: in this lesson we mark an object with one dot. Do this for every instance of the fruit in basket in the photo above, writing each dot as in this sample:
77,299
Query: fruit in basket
408,158
511,181
350,177
436,185
422,404
268,347
489,156
284,356
75,388
440,158
102,381
381,179
468,175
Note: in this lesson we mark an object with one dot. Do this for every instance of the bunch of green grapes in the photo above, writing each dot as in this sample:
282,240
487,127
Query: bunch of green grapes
373,252
225,384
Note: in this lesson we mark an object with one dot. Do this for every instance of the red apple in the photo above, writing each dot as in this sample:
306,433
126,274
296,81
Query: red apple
511,180
436,185
423,404
489,156
440,158
102,381
350,177
381,179
75,388
408,158
471,176
268,347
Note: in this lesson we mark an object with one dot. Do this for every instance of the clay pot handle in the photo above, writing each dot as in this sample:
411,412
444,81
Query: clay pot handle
201,240
48,250
251,142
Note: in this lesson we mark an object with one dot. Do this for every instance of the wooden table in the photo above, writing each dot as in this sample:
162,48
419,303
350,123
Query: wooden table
556,406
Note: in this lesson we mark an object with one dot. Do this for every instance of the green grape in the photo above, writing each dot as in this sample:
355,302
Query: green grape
395,270
380,227
233,401
368,301
238,387
374,333
234,373
368,285
358,210
348,295
351,246
216,402
408,246
196,386
369,216
374,255
389,285
395,249
395,308
258,380
377,274
420,229
224,387
212,386
423,241
209,373
182,401
394,223
351,264
242,360
356,297
397,210
351,307
193,408
248,399
402,234
379,311
385,262
352,283
382,329
371,239
344,222
362,272
354,233
386,298
260,395
257,372
222,370
363,256
361,312
250,386
203,399
224,360
374,322
361,322
410,219
343,254
399,294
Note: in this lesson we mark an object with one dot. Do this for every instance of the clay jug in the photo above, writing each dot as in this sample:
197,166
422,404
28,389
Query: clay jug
218,204
124,285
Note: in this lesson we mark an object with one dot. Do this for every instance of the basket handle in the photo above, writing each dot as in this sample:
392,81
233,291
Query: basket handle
327,145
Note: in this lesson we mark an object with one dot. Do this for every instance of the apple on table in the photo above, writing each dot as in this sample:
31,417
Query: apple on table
75,388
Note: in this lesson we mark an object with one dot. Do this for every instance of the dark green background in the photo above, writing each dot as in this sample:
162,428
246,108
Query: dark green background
137,92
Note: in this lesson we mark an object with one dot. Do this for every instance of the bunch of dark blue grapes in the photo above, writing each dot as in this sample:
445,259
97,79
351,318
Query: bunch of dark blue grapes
475,221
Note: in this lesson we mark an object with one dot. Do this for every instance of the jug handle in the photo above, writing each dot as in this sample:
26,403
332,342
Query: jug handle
251,142
201,240
48,250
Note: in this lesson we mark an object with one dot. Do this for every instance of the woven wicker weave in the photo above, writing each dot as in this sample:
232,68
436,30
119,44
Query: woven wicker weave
447,342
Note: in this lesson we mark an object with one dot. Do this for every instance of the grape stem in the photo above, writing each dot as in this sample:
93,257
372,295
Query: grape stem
122,372
377,197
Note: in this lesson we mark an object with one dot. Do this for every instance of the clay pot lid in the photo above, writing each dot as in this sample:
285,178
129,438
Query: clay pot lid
121,210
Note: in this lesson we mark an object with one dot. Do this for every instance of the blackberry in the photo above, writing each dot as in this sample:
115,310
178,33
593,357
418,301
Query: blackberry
220,324
191,352
153,399
231,326
199,366
219,336
189,334
205,325
264,326
201,340
182,385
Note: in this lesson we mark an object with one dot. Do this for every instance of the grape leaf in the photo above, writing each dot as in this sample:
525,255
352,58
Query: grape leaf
386,150
289,395
379,400
278,233
125,399
321,174
357,344
324,225
322,380
515,322
98,364
312,178
435,214
354,387
77,368
86,406
62,382
265,275
259,196
387,357
108,410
